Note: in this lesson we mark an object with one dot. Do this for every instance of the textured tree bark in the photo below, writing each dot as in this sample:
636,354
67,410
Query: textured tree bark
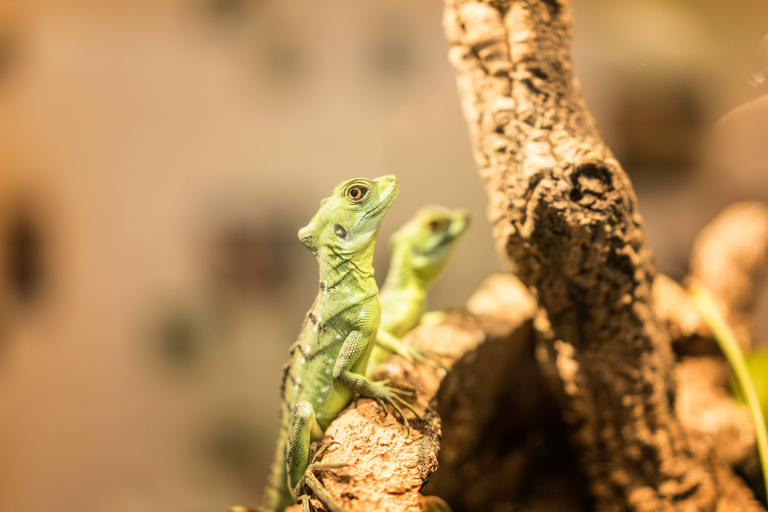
681,318
565,220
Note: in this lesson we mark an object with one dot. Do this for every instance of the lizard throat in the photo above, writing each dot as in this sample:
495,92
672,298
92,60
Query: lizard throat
336,268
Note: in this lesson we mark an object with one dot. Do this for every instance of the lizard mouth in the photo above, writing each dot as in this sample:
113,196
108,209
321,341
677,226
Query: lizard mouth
386,198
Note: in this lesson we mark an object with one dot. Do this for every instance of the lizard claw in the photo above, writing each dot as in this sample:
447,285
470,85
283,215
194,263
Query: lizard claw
310,480
431,359
385,395
322,449
383,384
411,354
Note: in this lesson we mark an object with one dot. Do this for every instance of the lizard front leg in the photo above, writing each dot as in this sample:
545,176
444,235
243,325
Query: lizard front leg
303,431
355,346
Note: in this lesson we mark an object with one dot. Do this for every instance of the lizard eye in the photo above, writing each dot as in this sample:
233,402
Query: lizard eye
357,193
434,225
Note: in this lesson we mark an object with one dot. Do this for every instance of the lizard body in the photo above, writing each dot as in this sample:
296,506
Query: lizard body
328,361
420,251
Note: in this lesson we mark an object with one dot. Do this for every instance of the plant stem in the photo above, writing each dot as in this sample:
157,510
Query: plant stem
730,347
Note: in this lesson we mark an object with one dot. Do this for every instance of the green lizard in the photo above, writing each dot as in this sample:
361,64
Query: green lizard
328,362
420,250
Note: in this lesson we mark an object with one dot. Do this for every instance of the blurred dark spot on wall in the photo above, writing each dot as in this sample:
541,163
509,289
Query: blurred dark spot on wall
179,338
24,255
250,260
8,51
227,9
661,129
392,56
284,59
233,445
391,51
186,336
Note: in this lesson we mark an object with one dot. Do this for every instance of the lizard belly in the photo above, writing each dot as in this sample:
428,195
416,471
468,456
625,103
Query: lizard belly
321,390
310,377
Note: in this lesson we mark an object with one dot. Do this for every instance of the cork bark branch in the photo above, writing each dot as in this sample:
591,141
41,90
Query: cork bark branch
565,220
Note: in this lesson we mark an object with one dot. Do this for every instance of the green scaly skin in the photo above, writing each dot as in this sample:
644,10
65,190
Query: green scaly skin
328,361
420,251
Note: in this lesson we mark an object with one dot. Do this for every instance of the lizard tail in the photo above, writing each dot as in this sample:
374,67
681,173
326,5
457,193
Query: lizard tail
277,496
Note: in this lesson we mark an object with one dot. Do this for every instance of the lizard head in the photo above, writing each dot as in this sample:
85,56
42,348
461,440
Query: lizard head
348,221
425,241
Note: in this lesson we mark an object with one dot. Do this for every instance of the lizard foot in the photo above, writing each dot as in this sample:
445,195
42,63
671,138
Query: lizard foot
385,395
411,354
315,452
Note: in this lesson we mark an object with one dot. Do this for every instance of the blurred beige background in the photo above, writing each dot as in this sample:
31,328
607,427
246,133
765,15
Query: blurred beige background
158,157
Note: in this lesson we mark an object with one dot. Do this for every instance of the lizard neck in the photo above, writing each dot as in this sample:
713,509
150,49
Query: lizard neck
336,267
401,274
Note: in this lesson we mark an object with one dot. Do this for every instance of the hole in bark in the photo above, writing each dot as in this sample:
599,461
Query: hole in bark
592,184
553,6
620,262
539,73
671,397
576,195
687,493
594,169
530,85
